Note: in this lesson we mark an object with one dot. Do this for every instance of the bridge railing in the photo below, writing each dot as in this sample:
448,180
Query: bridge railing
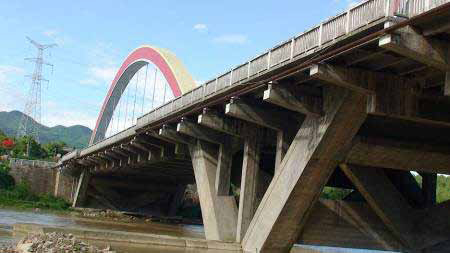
326,33
13,162
297,47
410,8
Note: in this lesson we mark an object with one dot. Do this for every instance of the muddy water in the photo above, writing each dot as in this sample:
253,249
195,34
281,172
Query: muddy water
9,217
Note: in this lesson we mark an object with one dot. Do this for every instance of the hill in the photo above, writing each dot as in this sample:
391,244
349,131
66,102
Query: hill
75,136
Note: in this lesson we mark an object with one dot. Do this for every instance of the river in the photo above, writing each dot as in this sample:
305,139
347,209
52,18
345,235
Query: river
9,217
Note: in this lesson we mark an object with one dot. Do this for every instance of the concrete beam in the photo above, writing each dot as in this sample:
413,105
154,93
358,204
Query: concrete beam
437,28
113,155
80,193
197,131
385,153
249,182
283,142
286,97
152,138
85,162
315,152
170,133
349,78
118,150
211,119
447,84
107,158
274,119
132,185
386,201
408,186
219,212
408,43
429,187
223,174
181,150
434,224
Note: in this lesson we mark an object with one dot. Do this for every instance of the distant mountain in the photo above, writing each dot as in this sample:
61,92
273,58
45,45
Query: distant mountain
74,136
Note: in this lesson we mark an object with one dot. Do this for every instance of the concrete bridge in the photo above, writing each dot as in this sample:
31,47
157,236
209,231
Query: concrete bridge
357,102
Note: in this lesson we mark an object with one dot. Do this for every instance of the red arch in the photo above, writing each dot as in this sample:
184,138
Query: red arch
148,54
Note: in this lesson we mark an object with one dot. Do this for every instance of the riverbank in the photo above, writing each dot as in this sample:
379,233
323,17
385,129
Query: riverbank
53,242
138,240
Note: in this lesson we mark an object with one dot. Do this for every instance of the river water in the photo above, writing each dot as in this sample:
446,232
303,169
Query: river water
9,217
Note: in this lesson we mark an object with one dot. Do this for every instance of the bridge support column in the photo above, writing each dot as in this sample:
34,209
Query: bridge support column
315,152
219,213
80,193
57,179
249,184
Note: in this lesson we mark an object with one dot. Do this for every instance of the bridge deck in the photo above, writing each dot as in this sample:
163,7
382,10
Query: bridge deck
356,102
365,18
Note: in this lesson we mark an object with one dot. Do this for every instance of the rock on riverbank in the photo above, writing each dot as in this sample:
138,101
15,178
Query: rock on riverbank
53,243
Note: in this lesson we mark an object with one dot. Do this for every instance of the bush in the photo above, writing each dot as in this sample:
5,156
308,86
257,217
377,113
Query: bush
20,196
6,180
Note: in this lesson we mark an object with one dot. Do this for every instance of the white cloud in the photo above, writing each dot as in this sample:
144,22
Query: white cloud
232,39
13,96
50,33
103,67
200,27
105,74
103,54
57,37
6,71
70,118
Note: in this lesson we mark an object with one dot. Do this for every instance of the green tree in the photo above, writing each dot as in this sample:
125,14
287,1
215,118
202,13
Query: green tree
6,180
54,148
36,151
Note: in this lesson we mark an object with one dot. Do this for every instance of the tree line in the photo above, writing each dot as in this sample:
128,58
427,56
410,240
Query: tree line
47,151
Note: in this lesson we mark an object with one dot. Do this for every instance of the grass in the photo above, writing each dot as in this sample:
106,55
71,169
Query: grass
20,197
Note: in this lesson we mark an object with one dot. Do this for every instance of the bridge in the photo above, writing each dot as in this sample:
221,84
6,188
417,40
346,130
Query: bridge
357,102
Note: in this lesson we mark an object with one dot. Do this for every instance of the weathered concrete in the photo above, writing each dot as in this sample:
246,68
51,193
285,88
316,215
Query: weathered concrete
80,194
309,162
249,183
219,212
390,71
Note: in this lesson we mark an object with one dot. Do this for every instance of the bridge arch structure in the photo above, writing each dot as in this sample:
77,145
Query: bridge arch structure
356,104
172,76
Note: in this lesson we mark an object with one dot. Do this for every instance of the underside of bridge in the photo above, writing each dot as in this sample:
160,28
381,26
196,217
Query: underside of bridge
360,114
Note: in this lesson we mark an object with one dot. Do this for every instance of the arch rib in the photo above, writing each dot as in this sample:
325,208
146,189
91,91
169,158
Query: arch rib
174,72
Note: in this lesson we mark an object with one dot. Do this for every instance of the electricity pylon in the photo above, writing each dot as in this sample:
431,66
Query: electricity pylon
34,100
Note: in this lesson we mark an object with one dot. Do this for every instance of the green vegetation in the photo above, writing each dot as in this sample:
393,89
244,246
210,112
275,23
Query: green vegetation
19,196
46,151
334,193
442,191
74,136
6,180
443,187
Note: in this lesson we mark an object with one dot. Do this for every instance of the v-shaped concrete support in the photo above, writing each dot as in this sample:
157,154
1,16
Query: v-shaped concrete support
305,169
219,213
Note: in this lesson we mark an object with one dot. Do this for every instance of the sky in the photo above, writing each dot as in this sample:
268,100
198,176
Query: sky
94,37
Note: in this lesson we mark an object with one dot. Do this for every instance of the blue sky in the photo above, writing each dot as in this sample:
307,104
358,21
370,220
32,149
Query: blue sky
94,37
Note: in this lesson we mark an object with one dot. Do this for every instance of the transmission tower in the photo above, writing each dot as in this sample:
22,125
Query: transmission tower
33,102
